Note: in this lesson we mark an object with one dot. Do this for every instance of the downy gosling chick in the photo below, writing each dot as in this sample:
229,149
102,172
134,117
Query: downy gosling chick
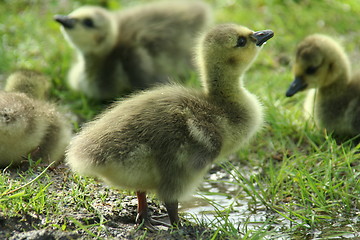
334,100
166,139
30,127
32,83
136,48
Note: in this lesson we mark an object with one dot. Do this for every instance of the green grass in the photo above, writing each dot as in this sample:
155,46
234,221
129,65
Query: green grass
306,181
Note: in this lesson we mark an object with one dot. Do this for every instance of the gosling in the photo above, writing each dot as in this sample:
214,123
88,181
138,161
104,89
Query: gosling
322,65
30,82
136,48
30,127
166,139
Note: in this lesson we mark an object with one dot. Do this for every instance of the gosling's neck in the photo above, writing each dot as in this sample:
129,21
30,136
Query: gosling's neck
339,83
92,63
88,63
224,84
341,72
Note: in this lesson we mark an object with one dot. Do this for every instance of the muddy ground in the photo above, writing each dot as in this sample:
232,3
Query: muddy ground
109,217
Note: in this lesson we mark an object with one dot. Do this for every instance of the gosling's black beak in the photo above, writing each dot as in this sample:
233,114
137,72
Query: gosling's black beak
262,36
66,21
297,85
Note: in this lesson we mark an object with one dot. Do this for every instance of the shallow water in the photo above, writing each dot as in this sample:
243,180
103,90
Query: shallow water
215,203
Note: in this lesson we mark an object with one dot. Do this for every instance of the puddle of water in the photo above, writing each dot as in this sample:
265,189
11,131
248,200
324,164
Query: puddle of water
242,214
232,210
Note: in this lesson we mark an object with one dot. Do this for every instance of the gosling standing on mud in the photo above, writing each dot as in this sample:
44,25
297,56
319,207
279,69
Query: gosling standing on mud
322,64
166,139
28,126
135,48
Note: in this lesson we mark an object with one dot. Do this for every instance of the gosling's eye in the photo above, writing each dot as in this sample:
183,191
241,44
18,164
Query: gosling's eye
88,22
241,42
311,70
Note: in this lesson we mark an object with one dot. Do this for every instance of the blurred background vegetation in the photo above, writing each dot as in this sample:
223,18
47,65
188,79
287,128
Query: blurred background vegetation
31,39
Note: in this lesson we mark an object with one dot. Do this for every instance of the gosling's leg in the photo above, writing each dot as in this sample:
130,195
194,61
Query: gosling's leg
143,214
172,209
142,209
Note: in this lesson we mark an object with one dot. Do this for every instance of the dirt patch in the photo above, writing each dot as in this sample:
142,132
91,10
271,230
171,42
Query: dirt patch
94,212
25,228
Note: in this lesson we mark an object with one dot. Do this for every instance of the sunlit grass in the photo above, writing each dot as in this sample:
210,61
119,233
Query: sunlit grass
304,179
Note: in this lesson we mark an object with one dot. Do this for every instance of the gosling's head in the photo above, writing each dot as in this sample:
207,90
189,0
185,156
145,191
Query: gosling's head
32,83
90,29
15,114
319,62
231,47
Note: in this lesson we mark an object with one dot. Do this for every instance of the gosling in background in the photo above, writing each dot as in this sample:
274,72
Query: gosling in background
30,126
30,82
322,64
166,139
136,48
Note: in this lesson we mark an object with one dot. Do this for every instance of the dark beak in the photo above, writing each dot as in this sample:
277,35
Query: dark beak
296,86
66,21
262,36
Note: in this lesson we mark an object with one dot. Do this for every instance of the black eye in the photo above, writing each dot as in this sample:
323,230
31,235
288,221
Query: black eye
88,22
241,42
311,70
